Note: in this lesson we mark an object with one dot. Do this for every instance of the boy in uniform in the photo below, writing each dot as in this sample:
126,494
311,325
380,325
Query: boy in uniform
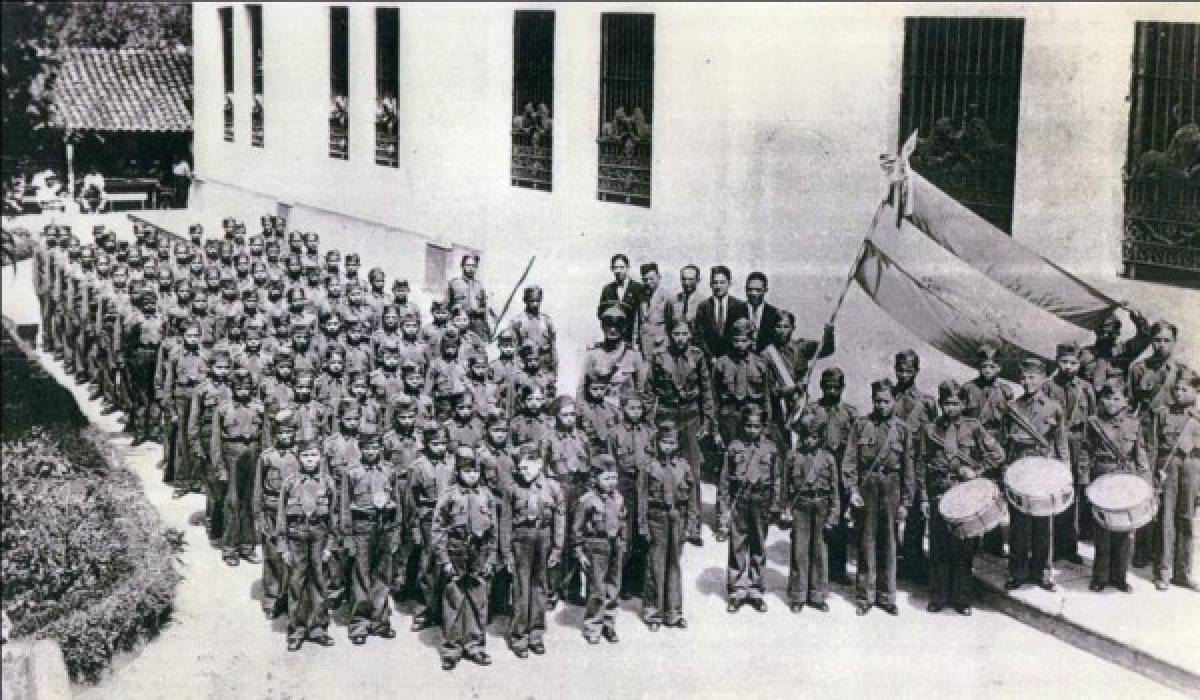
305,527
1175,447
432,474
205,401
236,440
599,534
811,488
835,418
749,488
536,327
664,514
275,464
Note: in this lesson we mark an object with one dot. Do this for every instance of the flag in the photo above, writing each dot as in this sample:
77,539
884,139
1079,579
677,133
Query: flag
1010,264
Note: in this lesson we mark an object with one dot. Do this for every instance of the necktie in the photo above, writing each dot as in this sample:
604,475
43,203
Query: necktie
720,315
686,298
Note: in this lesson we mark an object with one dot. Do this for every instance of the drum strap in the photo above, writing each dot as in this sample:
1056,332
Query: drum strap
1109,443
1023,422
957,454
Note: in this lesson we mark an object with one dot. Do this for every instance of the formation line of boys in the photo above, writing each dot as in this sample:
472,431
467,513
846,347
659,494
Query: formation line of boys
376,456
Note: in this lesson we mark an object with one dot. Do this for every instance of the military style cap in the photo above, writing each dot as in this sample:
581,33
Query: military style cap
1112,386
221,356
806,423
497,417
437,305
833,376
285,356
433,429
389,345
355,259
614,314
532,293
403,401
369,438
603,463
505,337
242,377
398,283
1067,350
949,389
376,273
349,408
908,359
527,452
1033,364
668,428
464,455
306,377
449,338
743,328
987,353
528,349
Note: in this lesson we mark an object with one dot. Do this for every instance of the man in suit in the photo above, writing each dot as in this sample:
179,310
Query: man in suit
717,314
684,303
765,317
621,291
652,316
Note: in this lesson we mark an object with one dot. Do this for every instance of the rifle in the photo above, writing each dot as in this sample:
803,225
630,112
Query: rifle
511,294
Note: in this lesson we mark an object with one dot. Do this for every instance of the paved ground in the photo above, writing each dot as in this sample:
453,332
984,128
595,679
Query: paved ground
219,645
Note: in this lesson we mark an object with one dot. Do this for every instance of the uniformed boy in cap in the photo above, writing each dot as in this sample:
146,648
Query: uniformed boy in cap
464,427
952,450
1110,352
614,356
275,464
404,307
835,419
185,372
1174,445
465,532
1035,425
372,515
665,510
599,535
534,326
305,527
432,474
598,416
531,423
633,444
567,456
1112,443
879,470
236,440
916,408
468,292
140,345
533,518
431,333
985,398
749,490
1078,400
447,377
214,391
810,486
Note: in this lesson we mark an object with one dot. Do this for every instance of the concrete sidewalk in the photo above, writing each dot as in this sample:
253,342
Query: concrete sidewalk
1156,633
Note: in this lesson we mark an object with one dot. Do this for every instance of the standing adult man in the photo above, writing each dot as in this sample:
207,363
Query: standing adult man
468,292
765,317
716,315
687,300
622,292
652,315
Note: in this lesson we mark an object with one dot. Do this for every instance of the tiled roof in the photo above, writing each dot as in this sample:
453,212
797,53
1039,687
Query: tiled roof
124,90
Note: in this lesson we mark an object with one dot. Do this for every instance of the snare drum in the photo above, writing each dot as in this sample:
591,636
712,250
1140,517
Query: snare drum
1122,502
973,508
1039,487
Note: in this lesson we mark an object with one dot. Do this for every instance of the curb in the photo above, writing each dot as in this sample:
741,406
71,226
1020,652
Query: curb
1091,641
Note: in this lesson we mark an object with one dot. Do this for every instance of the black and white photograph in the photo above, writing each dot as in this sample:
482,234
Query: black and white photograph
599,350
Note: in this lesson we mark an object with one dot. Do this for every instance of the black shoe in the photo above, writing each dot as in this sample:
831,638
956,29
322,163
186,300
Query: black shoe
1141,563
610,634
592,640
679,624
934,607
1095,587
696,541
294,644
538,649
796,608
418,625
1073,558
721,535
1012,584
733,606
1123,587
889,608
250,557
759,604
481,658
1047,585
653,626
823,607
358,639
521,653
138,440
324,640
448,664
625,595
1161,585
387,632
964,610
862,609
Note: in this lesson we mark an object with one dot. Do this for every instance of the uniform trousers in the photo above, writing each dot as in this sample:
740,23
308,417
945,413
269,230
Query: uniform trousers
603,571
235,501
808,574
1176,529
749,519
877,546
662,595
1030,546
531,547
464,615
274,575
951,562
374,549
308,611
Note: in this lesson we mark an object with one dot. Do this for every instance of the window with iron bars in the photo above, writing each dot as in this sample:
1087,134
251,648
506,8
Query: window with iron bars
960,92
339,82
225,15
387,86
533,100
626,108
257,120
1162,170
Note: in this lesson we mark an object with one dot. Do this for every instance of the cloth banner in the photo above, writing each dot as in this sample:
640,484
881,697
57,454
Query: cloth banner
1012,265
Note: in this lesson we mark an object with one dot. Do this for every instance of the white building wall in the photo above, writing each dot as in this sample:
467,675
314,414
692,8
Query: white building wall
768,122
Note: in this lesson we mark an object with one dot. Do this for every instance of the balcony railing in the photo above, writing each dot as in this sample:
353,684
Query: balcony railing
257,136
387,144
532,161
1162,225
624,171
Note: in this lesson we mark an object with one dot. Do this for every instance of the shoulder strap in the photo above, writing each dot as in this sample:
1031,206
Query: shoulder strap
1022,421
1095,425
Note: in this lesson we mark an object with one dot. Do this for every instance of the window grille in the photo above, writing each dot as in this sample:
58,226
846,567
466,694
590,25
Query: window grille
1162,171
533,99
256,66
960,91
225,14
339,82
626,108
387,86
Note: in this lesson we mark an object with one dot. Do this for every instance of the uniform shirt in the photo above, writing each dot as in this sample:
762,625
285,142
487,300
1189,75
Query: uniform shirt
950,452
632,445
341,452
468,433
205,402
185,373
525,428
682,381
469,294
665,484
1167,426
599,516
312,419
652,321
738,381
1150,383
465,530
416,352
446,378
683,308
810,479
236,421
276,394
497,464
878,445
537,505
628,373
798,353
987,402
1097,359
401,448
306,495
1077,398
751,473
503,371
429,480
598,419
566,453
329,389
1048,421
371,494
539,330
834,421
1113,445
274,466
915,407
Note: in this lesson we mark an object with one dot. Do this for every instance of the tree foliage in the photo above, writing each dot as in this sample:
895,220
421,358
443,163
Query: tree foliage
31,35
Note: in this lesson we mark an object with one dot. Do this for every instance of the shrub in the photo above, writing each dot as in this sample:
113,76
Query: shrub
84,557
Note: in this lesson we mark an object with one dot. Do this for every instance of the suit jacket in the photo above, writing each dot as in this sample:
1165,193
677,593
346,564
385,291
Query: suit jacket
767,325
675,310
631,302
716,341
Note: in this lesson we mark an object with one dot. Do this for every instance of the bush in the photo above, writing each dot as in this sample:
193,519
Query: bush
84,557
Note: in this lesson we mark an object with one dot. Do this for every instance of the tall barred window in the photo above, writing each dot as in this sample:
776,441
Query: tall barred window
225,15
626,108
1162,171
339,82
257,125
533,99
387,86
961,92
